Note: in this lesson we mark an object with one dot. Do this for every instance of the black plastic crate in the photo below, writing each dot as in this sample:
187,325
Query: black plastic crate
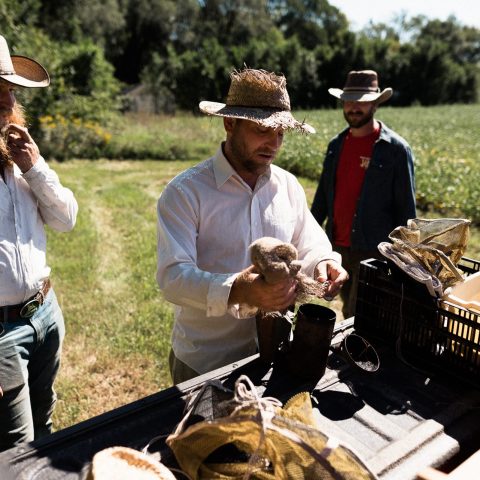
394,309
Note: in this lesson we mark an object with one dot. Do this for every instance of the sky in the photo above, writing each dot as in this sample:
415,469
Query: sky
360,12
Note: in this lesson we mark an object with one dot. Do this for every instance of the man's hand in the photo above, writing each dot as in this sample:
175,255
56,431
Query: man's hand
333,272
250,288
22,147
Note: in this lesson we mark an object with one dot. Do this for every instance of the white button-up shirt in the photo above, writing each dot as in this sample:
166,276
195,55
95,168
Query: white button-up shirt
27,202
207,218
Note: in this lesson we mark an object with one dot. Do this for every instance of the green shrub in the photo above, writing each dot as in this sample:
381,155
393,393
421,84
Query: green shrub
82,85
63,138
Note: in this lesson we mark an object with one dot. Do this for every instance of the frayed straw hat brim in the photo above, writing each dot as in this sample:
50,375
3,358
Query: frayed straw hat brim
360,96
270,118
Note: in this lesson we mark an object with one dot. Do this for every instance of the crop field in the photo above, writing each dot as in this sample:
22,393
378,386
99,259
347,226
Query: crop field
445,141
118,325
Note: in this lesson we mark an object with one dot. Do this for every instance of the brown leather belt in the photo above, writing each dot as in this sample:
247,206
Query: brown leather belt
22,311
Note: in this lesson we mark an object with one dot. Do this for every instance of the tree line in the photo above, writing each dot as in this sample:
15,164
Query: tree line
183,50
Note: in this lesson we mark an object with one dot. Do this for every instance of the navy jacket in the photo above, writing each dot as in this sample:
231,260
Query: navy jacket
387,198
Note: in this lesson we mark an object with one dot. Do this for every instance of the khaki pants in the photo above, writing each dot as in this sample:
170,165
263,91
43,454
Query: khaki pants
179,371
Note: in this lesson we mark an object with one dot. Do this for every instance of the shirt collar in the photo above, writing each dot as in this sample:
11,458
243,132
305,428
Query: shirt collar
222,169
385,133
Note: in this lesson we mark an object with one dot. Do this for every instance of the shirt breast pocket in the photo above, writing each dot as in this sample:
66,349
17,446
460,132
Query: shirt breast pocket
379,175
280,228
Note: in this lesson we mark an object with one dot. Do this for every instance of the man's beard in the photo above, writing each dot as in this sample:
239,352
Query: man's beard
359,121
245,158
17,117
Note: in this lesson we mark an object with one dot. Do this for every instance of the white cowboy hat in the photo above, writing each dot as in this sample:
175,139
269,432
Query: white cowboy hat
361,86
20,70
258,96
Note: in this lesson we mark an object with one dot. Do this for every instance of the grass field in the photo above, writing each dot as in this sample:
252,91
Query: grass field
118,325
445,140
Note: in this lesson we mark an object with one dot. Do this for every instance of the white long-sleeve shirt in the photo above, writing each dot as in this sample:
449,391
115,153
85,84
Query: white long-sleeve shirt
27,202
207,218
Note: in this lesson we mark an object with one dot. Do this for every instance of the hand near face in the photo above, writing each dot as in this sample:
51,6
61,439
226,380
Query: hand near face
23,149
333,272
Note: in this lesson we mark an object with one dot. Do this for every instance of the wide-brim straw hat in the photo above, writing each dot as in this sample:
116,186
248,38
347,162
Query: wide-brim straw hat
260,97
362,86
20,70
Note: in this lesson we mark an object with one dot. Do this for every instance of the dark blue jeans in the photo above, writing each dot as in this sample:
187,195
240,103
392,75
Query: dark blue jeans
30,353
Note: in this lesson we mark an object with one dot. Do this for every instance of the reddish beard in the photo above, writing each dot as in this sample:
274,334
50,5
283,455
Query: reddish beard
17,117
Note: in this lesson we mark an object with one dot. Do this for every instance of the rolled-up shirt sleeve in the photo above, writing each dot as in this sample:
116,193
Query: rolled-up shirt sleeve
178,275
56,203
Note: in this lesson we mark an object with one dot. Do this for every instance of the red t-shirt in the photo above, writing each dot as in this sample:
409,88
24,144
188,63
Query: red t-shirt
354,160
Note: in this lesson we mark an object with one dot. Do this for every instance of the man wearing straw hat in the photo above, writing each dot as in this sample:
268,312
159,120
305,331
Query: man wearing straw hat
31,322
367,186
210,214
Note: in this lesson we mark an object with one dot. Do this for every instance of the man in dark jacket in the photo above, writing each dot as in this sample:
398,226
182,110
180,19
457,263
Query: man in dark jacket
367,184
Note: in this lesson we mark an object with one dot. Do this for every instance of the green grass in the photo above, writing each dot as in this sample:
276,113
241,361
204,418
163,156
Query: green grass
118,325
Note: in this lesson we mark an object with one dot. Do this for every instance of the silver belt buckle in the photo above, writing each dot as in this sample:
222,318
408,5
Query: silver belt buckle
30,308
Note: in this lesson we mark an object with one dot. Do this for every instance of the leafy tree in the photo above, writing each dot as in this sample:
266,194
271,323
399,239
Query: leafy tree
74,20
82,81
442,63
15,16
184,35
192,75
437,61
233,22
314,22
167,43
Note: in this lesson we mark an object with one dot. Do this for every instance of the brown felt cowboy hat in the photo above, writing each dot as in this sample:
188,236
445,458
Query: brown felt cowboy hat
20,70
361,86
258,96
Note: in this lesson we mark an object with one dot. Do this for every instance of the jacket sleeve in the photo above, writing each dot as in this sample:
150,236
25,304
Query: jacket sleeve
320,200
319,204
404,187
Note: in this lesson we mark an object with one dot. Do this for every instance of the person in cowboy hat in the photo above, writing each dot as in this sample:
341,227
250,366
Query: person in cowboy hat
210,214
367,186
31,322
